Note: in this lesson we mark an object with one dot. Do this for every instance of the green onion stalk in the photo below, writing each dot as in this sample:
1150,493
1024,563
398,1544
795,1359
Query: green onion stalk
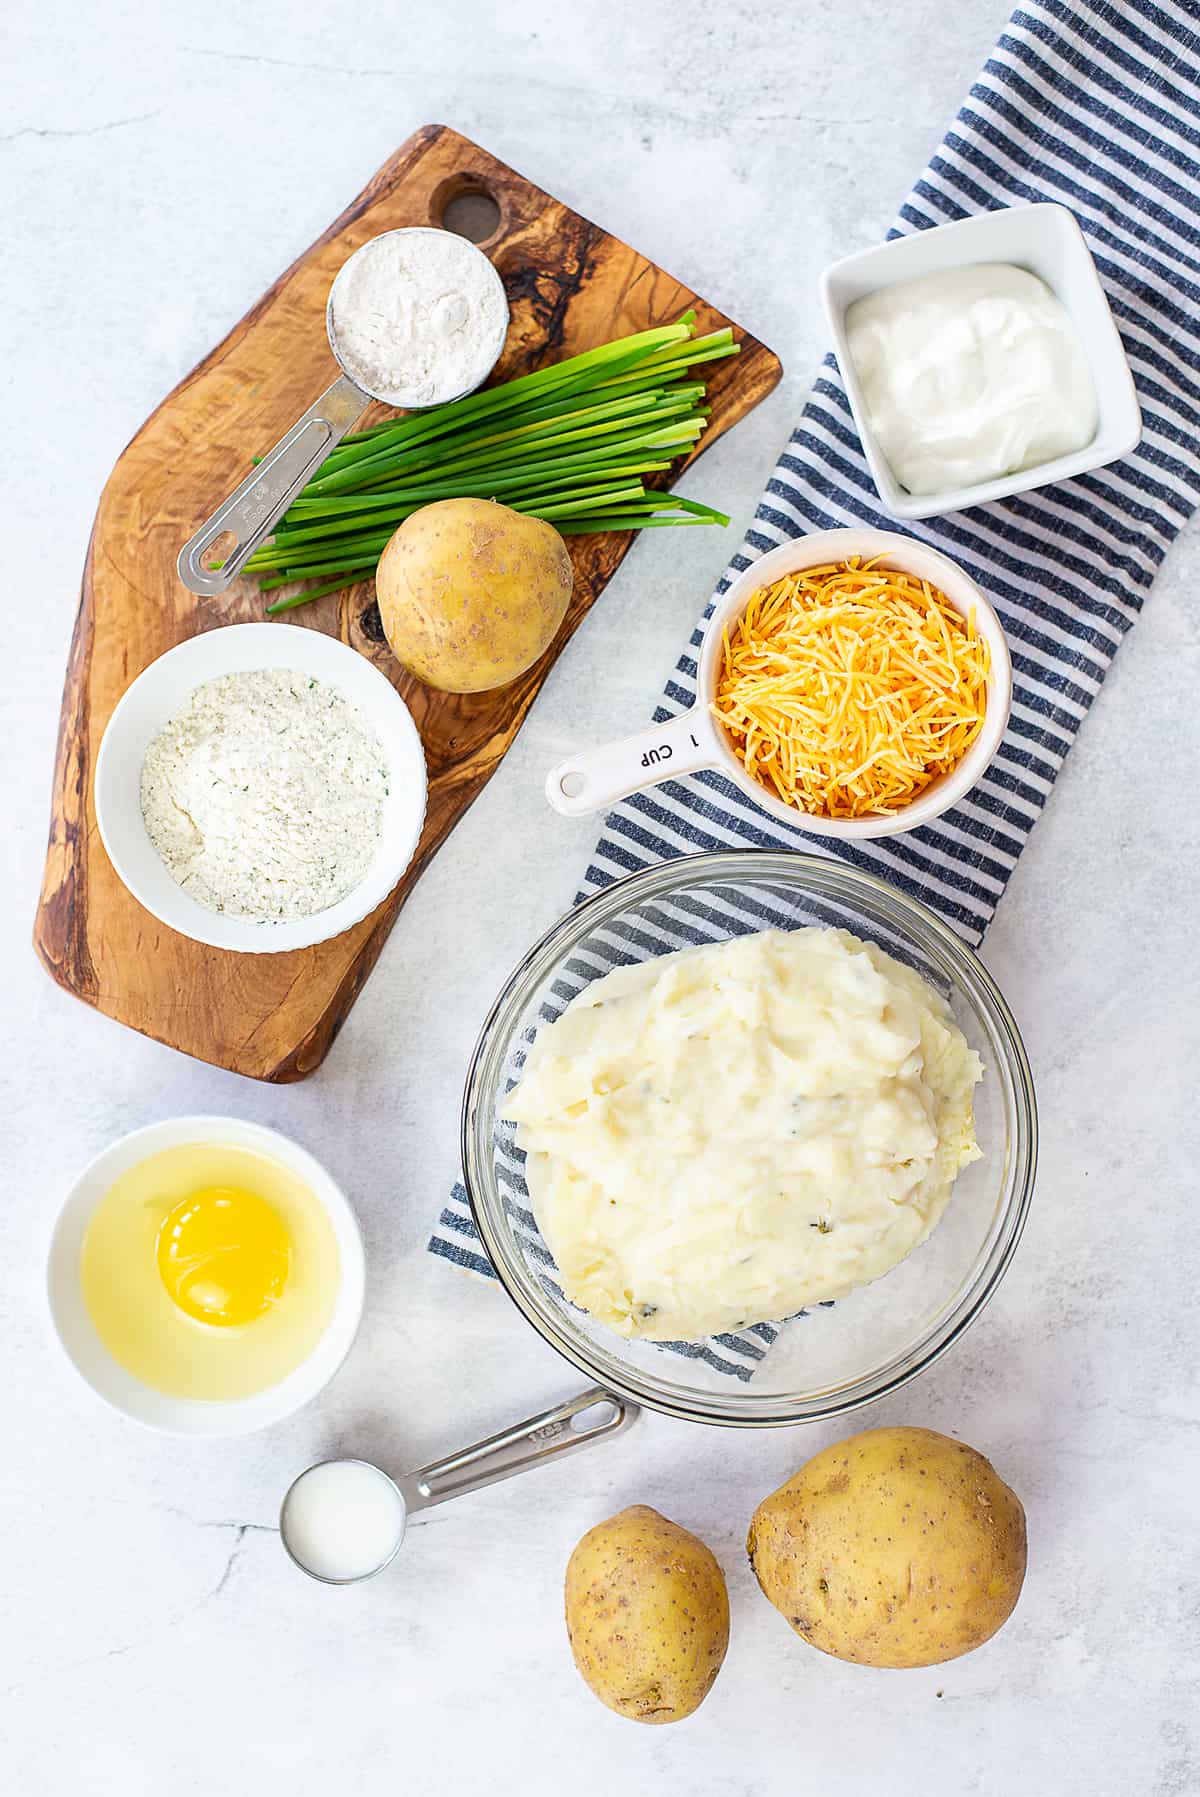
573,444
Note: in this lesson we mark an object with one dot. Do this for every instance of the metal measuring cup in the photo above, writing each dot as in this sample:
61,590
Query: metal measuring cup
547,1436
252,509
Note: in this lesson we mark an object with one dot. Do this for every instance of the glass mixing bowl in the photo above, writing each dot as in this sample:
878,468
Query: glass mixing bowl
831,1358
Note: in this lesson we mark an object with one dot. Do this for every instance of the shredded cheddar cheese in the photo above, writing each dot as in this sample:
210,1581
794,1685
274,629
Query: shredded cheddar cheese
850,688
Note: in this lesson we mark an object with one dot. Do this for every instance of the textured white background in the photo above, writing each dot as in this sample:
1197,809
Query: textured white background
160,163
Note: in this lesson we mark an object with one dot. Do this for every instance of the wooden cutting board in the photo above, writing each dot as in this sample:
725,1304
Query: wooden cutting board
570,286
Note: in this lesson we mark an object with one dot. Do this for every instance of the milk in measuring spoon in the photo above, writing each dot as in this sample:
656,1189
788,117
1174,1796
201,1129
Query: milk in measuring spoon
970,374
343,1520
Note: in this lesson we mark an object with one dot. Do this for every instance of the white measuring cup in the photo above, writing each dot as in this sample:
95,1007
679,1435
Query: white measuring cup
256,506
381,1505
594,779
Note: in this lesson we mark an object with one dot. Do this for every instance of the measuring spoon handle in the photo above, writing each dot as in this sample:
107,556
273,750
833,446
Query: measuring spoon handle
562,1430
266,493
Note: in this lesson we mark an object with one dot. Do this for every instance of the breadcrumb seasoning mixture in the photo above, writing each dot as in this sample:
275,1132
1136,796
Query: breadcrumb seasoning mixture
264,795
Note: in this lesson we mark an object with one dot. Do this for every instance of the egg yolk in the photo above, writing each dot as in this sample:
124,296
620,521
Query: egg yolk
224,1255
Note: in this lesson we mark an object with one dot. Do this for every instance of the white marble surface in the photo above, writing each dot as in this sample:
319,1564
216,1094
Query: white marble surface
160,163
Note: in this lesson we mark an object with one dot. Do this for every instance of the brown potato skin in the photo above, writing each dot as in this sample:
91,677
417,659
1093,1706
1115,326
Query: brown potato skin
647,1615
897,1547
471,593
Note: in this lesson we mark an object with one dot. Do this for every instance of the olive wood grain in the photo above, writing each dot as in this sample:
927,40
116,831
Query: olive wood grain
570,286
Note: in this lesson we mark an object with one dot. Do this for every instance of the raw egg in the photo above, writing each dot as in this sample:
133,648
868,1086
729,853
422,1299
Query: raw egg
210,1272
224,1255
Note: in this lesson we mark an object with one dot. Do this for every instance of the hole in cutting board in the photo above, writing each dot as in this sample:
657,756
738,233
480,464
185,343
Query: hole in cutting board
473,214
371,624
220,549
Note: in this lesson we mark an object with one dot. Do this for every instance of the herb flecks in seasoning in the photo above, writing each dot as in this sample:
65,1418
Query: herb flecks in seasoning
263,795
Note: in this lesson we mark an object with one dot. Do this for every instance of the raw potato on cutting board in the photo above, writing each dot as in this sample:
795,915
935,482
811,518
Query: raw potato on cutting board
647,1615
897,1547
471,593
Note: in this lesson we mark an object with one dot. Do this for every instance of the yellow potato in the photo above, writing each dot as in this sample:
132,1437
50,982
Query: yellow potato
647,1615
897,1547
471,593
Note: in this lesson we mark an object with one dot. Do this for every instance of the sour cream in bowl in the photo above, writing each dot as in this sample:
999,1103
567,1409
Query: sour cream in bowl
932,396
970,374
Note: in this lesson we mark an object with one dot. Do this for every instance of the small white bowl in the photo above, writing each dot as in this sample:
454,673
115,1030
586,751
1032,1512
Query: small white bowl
154,698
1043,238
597,778
107,1377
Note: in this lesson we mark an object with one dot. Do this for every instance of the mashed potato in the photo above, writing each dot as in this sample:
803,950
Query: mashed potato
721,1136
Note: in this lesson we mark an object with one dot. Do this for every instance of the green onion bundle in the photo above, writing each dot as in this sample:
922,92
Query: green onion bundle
570,443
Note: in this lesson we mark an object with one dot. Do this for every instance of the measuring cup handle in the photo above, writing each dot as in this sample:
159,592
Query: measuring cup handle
517,1450
597,778
253,508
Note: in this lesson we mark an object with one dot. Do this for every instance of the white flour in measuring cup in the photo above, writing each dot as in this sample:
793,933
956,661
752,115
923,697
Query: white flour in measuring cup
417,317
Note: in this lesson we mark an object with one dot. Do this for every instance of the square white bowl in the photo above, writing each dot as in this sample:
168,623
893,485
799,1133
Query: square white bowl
1045,239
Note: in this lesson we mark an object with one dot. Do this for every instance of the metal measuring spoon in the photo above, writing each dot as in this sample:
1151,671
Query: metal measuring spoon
256,506
390,1502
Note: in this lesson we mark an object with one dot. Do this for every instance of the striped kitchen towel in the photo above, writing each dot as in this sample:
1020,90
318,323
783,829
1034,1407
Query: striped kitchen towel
1095,106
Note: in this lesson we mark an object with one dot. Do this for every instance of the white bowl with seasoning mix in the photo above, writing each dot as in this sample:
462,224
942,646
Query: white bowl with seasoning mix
260,788
697,740
980,360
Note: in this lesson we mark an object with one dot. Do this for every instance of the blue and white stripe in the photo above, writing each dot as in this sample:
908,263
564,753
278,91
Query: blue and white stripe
1095,106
